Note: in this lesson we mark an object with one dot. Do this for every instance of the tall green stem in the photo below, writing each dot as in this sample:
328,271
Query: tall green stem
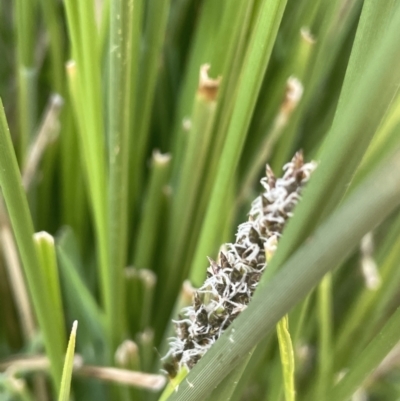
21,220
119,108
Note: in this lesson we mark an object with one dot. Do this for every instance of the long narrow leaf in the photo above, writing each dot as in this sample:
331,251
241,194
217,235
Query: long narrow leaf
68,365
249,85
119,106
353,128
369,359
21,220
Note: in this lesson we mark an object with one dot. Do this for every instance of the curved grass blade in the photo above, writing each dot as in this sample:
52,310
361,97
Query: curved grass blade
68,365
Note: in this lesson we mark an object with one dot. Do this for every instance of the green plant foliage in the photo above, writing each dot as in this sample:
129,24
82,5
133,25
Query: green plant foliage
68,365
133,135
287,357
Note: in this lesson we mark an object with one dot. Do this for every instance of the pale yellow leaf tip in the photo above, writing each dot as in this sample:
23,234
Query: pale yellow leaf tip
74,328
43,236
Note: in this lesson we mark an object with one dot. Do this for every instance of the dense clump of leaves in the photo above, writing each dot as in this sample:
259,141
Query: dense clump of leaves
133,174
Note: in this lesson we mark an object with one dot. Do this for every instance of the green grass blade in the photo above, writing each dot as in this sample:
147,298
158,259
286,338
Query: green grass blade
325,348
353,128
18,210
152,44
140,285
84,308
193,168
119,108
227,387
136,54
86,92
287,357
51,17
366,363
47,255
256,61
143,179
147,231
68,366
27,74
366,208
200,52
173,385
385,141
361,319
74,197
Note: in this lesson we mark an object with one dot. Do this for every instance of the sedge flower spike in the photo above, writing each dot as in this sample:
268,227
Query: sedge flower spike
233,278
